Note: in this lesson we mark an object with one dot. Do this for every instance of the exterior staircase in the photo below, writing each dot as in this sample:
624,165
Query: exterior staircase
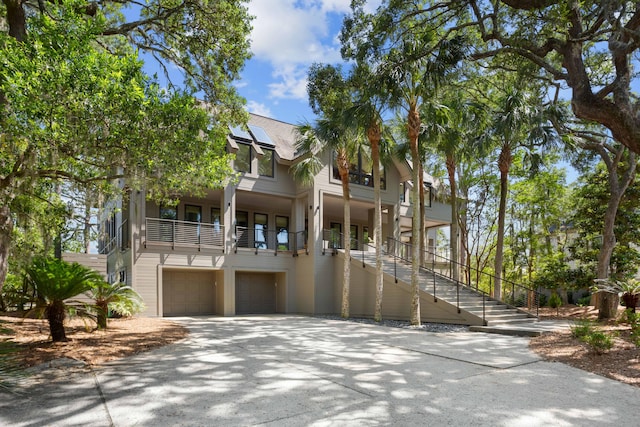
498,316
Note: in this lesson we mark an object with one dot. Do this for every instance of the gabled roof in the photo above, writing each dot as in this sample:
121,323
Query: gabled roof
267,133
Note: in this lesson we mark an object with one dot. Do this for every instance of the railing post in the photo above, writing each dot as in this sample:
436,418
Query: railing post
484,297
174,227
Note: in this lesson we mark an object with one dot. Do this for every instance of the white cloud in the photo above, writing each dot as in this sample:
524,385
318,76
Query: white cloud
291,83
258,108
292,34
288,32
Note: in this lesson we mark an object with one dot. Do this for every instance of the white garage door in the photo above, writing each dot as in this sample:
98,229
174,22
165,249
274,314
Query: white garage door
255,293
186,293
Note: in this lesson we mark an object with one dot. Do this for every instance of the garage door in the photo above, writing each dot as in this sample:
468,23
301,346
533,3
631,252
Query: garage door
255,293
186,293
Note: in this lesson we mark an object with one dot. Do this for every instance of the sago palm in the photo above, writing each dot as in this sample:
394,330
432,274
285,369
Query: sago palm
56,282
118,298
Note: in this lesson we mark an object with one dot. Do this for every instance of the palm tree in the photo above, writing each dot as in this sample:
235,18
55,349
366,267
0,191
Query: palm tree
56,282
116,297
329,96
315,140
370,100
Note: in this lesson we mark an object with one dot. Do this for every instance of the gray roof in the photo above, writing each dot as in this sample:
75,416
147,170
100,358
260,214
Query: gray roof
281,133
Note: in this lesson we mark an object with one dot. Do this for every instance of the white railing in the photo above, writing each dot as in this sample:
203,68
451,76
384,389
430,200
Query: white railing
183,233
121,239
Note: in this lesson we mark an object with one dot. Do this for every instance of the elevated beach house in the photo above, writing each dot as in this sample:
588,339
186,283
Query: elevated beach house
266,244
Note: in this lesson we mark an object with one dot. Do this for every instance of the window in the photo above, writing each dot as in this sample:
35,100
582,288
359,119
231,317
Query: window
265,163
242,233
282,228
361,173
336,235
354,237
428,195
167,231
243,158
168,212
192,213
260,235
403,192
216,233
242,218
216,217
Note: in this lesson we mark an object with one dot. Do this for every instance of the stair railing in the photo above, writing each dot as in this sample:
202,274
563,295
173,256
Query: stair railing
531,295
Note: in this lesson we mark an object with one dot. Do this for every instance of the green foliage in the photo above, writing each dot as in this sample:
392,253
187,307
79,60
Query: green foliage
599,341
590,200
55,283
581,328
555,301
633,319
584,301
620,287
117,298
586,331
79,110
16,293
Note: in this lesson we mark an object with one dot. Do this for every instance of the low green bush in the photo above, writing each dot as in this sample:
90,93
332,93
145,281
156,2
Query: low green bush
582,328
584,301
633,319
599,341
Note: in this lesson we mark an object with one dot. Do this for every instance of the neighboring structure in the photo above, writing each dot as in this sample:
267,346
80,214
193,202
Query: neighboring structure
263,244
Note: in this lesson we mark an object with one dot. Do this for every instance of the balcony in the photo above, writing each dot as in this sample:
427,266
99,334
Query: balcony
169,232
174,233
262,239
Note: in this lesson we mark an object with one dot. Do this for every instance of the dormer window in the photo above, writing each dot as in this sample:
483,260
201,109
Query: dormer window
249,143
243,158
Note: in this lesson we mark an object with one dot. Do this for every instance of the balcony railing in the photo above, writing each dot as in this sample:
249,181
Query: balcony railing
203,235
183,233
275,240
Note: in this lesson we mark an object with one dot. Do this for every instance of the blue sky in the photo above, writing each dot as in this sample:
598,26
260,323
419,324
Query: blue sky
287,37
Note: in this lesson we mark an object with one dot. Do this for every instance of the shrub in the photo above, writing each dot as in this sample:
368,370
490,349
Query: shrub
633,319
584,301
582,328
599,341
116,298
555,302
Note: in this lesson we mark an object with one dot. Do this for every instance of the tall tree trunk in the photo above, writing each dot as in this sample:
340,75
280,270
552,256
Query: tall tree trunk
16,19
504,163
413,130
86,230
6,230
451,171
608,302
343,170
373,134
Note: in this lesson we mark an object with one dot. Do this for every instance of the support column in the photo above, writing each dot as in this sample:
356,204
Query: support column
228,209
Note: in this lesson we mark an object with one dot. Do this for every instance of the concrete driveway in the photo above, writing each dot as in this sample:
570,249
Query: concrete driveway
295,370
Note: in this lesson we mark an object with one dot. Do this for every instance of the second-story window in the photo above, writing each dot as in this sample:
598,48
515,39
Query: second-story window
265,163
361,172
243,158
